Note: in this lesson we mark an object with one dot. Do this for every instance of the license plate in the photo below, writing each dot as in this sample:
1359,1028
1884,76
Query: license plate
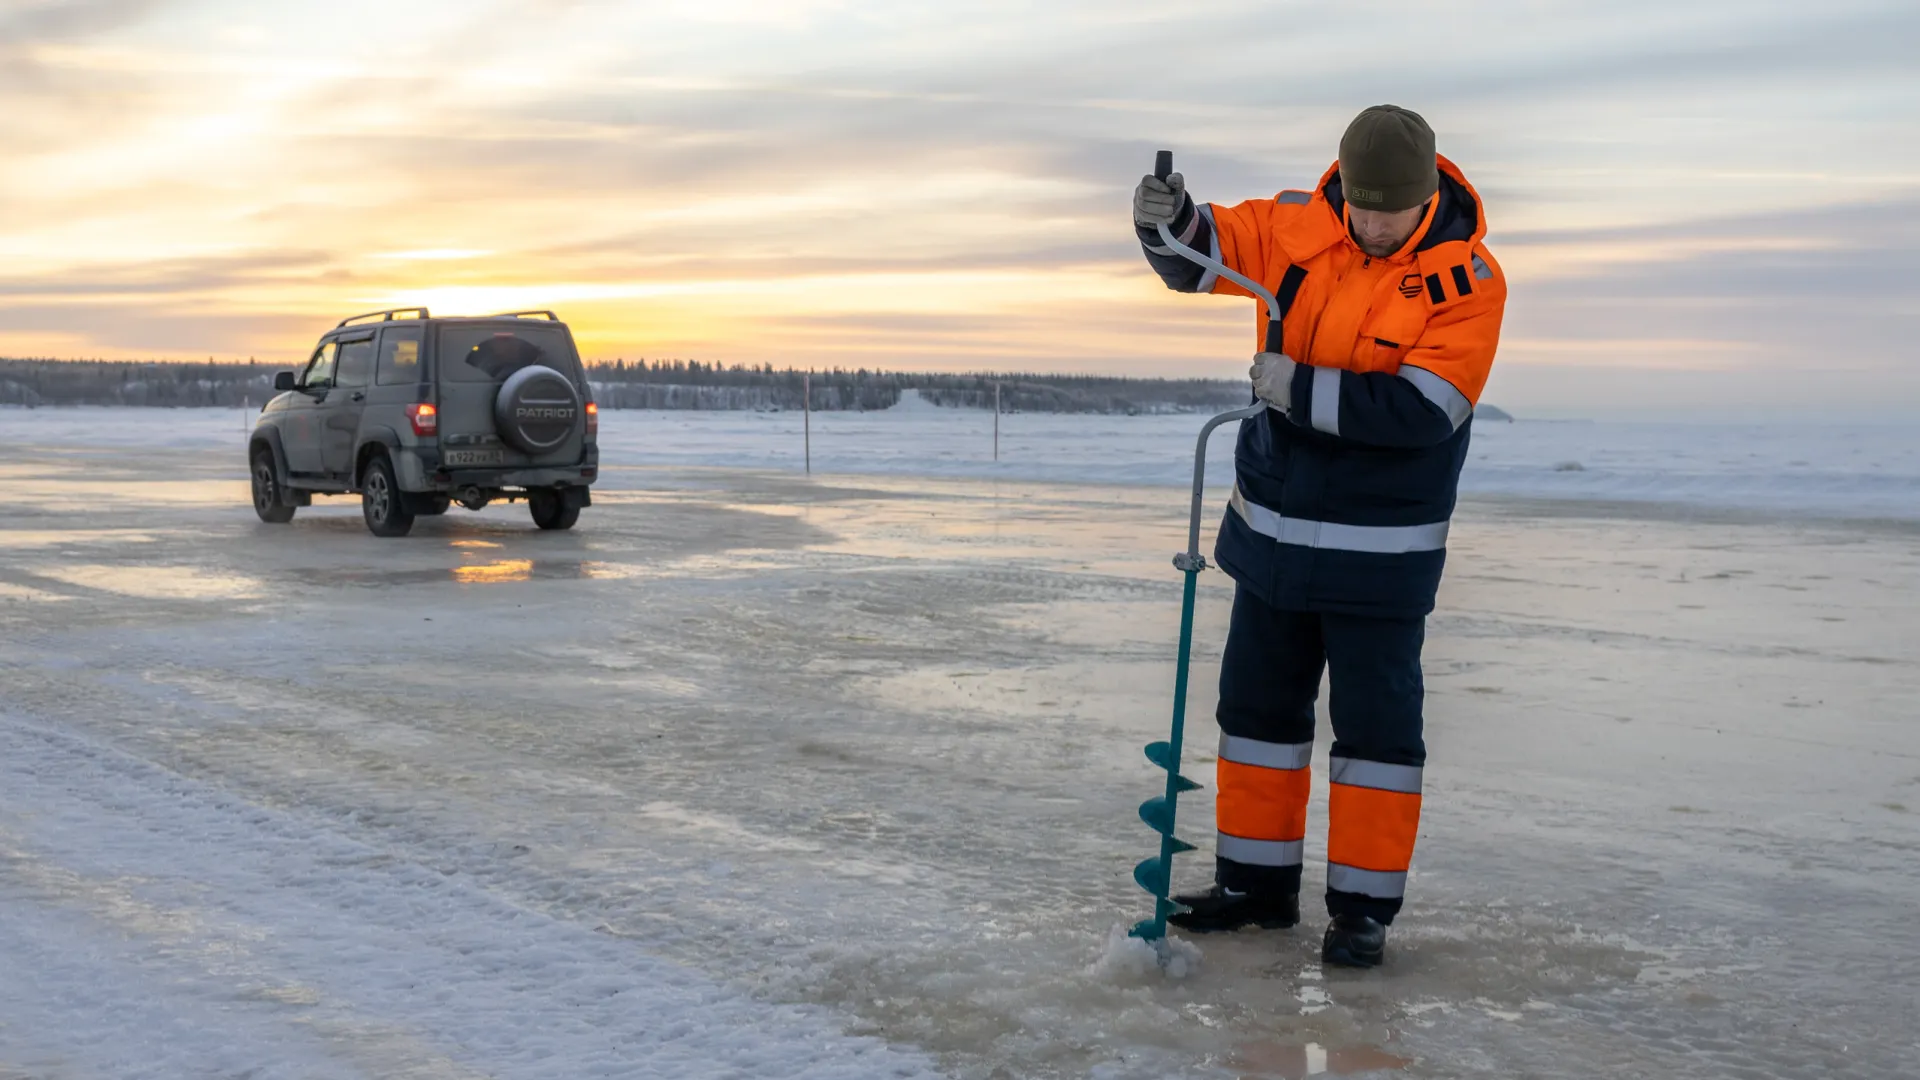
474,457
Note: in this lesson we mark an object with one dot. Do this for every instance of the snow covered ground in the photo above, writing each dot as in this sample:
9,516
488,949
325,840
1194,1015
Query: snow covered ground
754,775
1822,468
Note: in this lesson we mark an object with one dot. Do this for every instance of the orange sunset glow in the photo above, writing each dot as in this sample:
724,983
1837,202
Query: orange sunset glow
822,184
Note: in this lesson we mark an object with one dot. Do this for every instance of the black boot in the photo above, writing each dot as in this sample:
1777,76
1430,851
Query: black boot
1354,941
1220,908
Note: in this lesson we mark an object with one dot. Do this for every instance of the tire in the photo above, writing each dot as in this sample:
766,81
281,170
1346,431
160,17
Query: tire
550,511
428,504
381,502
266,490
538,410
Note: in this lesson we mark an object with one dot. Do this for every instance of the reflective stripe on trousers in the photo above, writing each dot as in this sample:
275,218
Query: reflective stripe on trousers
1305,532
1374,809
1262,809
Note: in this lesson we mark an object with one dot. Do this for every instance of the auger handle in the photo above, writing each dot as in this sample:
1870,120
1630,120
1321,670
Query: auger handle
1163,168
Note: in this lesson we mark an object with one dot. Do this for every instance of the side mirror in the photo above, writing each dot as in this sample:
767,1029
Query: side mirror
283,380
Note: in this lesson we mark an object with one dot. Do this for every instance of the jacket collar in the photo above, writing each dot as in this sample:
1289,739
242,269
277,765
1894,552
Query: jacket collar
1452,215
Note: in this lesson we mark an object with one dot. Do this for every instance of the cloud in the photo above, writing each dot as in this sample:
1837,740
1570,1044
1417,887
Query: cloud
1702,188
42,21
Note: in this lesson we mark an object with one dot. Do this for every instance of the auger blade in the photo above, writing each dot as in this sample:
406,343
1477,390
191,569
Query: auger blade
1148,929
1181,783
1161,754
1178,845
1157,812
1151,875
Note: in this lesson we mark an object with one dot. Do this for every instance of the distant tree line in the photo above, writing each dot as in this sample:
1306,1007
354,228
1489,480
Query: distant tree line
664,384
112,382
678,384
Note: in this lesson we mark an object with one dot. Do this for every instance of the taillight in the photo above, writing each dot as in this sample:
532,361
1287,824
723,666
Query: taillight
593,418
424,418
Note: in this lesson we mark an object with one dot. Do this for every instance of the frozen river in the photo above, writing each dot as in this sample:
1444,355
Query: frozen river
754,775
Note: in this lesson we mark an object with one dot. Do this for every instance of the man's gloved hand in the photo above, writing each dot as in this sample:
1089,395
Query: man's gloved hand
1272,376
1157,201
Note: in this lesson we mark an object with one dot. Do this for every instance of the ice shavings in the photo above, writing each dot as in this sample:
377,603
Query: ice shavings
1128,959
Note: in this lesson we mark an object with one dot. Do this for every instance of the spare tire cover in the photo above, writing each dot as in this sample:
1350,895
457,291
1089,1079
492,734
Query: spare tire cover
536,409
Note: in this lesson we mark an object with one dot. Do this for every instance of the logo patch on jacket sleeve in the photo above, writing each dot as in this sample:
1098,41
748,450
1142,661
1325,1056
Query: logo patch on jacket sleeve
1410,285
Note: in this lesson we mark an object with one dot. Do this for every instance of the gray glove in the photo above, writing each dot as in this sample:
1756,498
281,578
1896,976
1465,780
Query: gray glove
1272,376
1157,201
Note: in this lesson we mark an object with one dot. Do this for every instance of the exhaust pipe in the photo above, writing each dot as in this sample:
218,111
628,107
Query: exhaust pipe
472,497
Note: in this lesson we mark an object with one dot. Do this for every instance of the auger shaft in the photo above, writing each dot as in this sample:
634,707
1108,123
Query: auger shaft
1156,874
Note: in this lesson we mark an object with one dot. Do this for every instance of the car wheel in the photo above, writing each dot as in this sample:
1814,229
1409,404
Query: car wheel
380,502
266,491
550,511
428,504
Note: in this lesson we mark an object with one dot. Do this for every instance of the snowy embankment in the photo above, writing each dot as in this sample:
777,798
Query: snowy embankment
1826,469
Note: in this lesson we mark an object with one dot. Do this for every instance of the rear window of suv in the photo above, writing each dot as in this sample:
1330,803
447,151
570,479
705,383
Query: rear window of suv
491,353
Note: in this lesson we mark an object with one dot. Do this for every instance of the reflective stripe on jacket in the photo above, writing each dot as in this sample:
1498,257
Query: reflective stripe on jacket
1343,504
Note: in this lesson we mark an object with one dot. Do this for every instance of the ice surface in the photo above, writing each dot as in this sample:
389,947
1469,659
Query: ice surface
758,775
159,927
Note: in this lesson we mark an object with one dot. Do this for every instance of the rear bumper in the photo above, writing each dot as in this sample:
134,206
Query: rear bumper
420,471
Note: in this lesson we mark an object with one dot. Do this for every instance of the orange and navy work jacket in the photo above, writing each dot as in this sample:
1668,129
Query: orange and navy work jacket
1343,503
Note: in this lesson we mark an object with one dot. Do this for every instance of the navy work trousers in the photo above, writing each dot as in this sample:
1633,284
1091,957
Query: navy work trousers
1269,681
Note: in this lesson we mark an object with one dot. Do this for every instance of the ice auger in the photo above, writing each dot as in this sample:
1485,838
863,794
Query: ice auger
1156,874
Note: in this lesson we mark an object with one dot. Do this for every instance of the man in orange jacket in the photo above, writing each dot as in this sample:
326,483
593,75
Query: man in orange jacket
1336,533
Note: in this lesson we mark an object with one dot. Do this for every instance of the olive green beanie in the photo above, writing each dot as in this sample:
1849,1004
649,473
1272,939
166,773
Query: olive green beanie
1387,160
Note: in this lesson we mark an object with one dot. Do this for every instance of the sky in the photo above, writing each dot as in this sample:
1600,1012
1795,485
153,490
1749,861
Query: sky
1700,205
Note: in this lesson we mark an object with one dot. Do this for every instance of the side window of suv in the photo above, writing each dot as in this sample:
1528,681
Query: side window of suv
399,356
356,363
319,373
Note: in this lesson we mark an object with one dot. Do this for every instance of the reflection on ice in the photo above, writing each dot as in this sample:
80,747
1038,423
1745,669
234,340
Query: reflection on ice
40,538
1275,1061
494,572
10,591
1313,998
157,582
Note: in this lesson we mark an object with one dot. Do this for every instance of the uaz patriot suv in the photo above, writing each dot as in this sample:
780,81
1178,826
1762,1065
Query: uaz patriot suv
416,413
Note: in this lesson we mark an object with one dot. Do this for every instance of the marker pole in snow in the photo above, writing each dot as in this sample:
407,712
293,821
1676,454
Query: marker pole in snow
1156,874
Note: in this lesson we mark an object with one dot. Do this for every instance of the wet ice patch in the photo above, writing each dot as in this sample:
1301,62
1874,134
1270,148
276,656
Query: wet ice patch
1127,959
158,582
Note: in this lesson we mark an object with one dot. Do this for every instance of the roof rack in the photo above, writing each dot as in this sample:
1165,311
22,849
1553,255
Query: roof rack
524,314
385,316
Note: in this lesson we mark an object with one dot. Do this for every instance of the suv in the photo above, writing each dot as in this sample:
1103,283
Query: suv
415,413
